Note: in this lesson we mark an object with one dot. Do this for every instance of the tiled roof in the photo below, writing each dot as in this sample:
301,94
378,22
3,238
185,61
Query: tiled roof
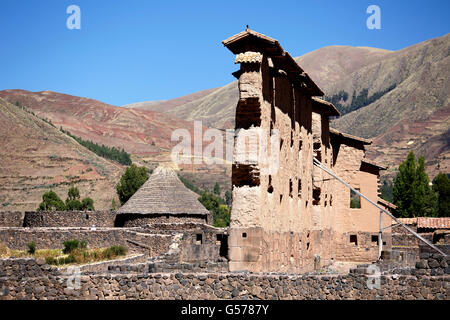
427,223
249,40
433,223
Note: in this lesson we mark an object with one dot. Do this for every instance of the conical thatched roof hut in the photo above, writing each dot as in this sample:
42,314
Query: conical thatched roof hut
162,198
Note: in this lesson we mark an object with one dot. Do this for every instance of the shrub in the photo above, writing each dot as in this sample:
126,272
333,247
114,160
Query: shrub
50,260
133,178
70,246
83,244
32,248
87,204
51,202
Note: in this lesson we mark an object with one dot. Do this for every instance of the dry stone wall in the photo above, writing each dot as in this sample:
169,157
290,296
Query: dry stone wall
11,219
25,279
52,238
69,219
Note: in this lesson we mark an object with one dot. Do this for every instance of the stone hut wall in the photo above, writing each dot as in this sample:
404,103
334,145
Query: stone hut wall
11,219
69,219
141,220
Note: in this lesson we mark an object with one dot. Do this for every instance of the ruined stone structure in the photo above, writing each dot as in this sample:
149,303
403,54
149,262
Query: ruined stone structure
288,215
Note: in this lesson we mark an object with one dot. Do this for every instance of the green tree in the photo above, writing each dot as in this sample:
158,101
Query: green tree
228,197
133,178
217,189
87,204
51,202
73,199
412,193
441,185
216,205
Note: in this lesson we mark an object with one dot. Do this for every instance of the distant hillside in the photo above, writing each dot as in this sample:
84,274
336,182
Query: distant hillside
37,157
139,132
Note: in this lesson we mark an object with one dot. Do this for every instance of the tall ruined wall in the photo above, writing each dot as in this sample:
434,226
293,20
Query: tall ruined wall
356,229
274,224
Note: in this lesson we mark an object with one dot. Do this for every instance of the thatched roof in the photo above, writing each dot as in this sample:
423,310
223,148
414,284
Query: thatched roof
163,193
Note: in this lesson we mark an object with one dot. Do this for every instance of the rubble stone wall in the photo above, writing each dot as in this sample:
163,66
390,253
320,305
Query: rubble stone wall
25,279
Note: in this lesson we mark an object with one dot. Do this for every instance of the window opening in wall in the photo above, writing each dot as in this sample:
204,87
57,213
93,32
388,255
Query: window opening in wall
270,187
281,144
331,200
300,142
244,235
292,139
354,239
316,196
299,188
355,200
223,239
281,198
290,188
374,238
87,216
199,238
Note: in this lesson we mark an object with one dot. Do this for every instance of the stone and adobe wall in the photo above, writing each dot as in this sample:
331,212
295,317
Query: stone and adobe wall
26,279
11,219
356,229
273,225
69,219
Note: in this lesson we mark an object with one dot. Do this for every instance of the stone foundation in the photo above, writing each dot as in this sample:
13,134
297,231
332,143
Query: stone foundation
25,279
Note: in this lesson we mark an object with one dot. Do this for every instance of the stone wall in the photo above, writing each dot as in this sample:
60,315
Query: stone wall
25,279
52,238
69,219
11,219
140,220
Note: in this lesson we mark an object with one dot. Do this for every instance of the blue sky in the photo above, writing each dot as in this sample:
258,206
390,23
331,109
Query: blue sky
139,50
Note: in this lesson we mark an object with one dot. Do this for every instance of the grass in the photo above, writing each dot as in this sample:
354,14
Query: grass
77,255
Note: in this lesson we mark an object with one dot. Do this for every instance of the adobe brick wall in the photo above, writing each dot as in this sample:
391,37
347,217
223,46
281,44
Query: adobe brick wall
25,279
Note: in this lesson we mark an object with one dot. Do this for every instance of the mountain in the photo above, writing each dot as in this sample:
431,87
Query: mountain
37,157
139,132
406,106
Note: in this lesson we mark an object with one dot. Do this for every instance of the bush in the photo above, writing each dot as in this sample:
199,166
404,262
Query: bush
114,251
51,202
87,204
70,246
50,260
133,178
32,248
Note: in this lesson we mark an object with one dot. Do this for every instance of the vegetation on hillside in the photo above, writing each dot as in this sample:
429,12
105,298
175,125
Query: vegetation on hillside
358,101
130,182
52,202
111,153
